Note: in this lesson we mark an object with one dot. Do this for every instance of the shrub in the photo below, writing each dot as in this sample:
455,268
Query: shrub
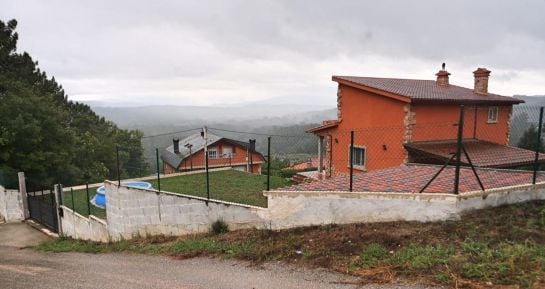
287,173
219,227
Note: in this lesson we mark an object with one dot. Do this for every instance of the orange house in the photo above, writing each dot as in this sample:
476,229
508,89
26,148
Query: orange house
188,154
396,121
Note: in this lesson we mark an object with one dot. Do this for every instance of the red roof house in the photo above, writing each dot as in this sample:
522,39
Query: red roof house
399,121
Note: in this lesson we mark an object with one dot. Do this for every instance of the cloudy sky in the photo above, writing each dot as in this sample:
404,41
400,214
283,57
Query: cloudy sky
231,52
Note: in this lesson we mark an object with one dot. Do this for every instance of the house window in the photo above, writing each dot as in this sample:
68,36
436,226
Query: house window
493,114
227,151
212,153
359,157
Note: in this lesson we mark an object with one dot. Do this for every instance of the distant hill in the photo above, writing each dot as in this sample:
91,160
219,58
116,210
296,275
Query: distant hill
535,100
256,120
254,115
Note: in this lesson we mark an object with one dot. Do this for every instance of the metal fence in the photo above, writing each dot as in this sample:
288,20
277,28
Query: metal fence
480,148
463,153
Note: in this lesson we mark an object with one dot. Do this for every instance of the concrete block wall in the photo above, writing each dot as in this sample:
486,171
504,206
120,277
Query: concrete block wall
77,226
11,205
135,212
132,212
293,209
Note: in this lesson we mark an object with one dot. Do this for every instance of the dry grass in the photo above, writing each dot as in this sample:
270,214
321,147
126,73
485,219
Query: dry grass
501,248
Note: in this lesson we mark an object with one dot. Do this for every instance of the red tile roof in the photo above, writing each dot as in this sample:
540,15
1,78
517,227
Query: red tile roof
481,153
326,124
412,178
427,90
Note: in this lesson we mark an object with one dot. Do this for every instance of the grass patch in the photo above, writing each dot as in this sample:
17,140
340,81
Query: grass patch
80,203
230,186
500,246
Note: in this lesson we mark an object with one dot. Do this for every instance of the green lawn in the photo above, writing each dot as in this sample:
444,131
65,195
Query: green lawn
81,201
231,186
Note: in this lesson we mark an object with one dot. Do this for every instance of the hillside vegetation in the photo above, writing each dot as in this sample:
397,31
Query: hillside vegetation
499,246
52,139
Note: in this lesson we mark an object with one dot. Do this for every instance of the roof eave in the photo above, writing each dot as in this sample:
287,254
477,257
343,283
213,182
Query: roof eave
323,127
473,102
372,90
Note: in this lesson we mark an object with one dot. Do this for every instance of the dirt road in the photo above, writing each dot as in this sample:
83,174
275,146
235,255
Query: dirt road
26,268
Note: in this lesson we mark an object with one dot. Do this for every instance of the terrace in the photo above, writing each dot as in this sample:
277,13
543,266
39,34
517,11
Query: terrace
412,178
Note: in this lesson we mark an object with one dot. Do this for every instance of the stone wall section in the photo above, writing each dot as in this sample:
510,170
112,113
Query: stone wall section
409,123
294,209
79,227
11,205
136,212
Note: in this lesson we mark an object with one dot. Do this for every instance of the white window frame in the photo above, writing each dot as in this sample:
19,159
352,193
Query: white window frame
493,113
212,153
364,158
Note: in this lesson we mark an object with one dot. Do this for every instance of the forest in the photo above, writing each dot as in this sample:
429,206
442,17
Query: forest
50,138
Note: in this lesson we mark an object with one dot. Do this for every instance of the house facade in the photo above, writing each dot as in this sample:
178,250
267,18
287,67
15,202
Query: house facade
396,121
188,154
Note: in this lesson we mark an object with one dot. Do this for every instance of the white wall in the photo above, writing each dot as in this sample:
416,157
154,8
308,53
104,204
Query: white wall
133,212
77,226
11,205
292,209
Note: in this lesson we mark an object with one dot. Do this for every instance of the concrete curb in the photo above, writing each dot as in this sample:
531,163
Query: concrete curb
41,228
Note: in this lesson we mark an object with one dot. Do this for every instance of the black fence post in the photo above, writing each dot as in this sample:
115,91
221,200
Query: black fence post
117,165
88,201
459,151
158,172
207,177
351,159
268,163
538,145
72,195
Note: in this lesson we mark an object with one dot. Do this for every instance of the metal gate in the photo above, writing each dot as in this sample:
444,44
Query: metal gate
42,208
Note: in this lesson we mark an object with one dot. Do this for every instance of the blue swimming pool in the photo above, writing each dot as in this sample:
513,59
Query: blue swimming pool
99,199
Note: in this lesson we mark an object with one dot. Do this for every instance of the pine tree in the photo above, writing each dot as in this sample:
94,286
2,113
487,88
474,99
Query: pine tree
52,139
529,138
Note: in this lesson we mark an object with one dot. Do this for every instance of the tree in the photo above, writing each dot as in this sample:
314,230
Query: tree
529,138
49,137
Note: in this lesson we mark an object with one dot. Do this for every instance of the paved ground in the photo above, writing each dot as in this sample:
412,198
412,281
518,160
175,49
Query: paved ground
20,235
26,268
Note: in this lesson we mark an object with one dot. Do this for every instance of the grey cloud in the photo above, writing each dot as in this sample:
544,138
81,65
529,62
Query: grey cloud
213,42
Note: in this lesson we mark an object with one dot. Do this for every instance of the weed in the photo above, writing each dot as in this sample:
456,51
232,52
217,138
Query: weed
219,227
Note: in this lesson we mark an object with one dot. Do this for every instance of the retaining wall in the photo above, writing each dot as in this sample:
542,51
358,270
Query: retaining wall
77,226
288,209
132,211
11,205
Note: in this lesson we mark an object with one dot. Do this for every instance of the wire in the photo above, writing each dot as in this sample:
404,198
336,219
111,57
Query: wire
263,134
172,132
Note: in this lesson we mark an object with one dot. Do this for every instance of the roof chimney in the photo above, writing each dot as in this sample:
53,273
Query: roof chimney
442,76
252,145
176,143
481,80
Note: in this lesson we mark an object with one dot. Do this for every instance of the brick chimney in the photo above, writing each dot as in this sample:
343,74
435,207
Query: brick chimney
176,143
481,80
442,77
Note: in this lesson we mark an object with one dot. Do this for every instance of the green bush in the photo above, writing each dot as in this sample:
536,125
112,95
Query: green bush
287,173
219,227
